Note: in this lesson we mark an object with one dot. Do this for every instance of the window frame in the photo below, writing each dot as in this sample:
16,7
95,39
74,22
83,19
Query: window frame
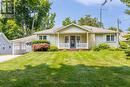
42,37
110,37
65,38
79,39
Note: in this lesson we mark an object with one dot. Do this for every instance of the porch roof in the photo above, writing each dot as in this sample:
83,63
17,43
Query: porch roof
87,28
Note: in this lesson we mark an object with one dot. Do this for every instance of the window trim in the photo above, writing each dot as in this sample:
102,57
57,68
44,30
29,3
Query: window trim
77,38
111,38
68,38
42,37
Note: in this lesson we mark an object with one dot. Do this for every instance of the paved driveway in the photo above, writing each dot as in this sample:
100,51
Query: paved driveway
7,57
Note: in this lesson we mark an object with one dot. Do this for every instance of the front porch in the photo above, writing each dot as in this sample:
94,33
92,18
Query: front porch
73,41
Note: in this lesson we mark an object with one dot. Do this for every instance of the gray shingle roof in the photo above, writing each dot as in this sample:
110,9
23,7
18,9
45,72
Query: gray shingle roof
88,28
25,39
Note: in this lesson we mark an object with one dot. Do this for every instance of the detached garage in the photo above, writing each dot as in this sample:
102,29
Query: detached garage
6,46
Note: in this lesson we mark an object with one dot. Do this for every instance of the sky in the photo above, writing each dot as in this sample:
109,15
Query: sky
75,9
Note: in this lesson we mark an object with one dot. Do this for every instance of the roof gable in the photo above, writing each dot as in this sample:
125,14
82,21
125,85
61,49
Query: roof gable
72,29
72,25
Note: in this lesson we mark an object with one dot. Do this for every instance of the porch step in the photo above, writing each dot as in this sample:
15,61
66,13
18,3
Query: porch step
73,49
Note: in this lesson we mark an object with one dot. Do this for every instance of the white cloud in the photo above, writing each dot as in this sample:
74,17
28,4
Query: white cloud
94,2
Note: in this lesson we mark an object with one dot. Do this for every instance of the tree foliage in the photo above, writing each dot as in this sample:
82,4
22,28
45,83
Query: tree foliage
90,21
114,29
29,16
87,20
27,10
48,21
12,30
127,2
68,21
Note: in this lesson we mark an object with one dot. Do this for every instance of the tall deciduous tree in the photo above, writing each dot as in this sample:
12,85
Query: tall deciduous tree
68,21
127,2
90,21
27,10
48,21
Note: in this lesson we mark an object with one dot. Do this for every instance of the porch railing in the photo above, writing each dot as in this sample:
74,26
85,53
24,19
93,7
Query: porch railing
78,45
82,45
64,45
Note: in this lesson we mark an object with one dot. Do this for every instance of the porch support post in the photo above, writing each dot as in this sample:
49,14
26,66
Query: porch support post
69,42
87,40
13,48
58,40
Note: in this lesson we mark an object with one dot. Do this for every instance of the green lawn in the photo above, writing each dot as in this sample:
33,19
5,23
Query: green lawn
67,69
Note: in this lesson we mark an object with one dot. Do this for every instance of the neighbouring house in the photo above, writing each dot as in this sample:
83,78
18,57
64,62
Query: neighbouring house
74,36
6,46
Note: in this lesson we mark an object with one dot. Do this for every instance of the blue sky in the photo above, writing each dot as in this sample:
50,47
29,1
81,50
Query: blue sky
79,8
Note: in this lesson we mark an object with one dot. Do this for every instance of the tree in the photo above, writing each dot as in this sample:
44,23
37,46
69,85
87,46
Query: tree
128,29
68,21
90,21
12,30
24,10
127,2
48,21
114,28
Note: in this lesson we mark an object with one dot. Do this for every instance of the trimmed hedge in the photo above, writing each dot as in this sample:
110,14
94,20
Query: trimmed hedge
40,42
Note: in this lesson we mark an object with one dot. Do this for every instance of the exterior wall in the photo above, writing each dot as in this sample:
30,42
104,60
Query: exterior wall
91,40
53,39
101,38
5,46
94,39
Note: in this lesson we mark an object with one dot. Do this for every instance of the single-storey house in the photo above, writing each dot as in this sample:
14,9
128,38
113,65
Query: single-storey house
75,36
6,46
72,36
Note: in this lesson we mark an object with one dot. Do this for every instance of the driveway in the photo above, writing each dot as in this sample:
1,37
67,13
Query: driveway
7,57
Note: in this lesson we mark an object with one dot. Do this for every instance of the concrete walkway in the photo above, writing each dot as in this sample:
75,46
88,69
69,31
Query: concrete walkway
7,57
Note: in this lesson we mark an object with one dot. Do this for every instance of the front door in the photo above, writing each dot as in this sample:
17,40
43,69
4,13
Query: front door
72,42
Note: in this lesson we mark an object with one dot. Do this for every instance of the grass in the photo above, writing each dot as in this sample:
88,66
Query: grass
67,69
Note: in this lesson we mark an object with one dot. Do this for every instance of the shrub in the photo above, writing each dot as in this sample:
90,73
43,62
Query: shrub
103,46
53,48
115,49
123,45
41,47
96,48
127,51
40,42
